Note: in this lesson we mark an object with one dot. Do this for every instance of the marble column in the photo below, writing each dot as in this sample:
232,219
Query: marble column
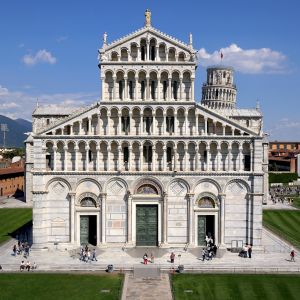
181,88
72,217
130,123
224,130
120,124
208,158
186,148
186,122
99,124
129,157
54,158
190,198
86,158
164,123
98,158
222,218
71,129
251,158
90,126
103,218
164,167
108,158
141,124
119,161
158,88
229,159
115,88
240,158
129,218
136,88
165,219
76,157
126,88
108,123
218,158
170,89
141,157
175,158
205,126
175,124
197,158
65,158
192,90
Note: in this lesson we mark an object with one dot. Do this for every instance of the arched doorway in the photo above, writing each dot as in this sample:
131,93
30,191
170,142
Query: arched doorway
146,213
207,218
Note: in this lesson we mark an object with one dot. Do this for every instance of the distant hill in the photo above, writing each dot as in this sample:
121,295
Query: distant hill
15,136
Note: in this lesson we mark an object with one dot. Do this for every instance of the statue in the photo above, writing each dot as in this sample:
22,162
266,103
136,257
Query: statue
104,38
191,39
148,18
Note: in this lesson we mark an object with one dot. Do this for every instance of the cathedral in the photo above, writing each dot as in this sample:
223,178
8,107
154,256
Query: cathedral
147,164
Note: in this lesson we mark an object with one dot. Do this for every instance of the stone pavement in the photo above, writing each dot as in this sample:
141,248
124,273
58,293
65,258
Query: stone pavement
13,202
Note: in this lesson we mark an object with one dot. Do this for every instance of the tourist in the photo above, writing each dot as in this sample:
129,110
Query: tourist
250,250
22,266
15,250
145,258
89,255
152,258
28,265
34,266
203,254
94,255
292,255
172,257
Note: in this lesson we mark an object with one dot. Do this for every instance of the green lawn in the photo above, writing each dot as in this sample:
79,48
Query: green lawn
296,202
11,219
41,286
235,286
285,223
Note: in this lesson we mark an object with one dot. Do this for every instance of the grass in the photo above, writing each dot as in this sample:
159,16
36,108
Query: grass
235,286
12,219
37,286
285,223
296,202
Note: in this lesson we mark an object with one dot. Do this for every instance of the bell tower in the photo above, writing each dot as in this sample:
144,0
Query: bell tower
219,91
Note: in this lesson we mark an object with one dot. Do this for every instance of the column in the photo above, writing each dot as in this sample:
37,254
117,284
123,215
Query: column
80,127
98,158
115,88
54,158
197,124
251,158
130,157
154,158
72,217
215,127
76,157
197,158
120,124
126,88
139,53
65,158
147,51
147,88
136,88
224,130
165,219
181,88
186,157
108,158
158,88
90,126
229,159
164,123
141,124
99,124
175,158
190,198
218,158
175,123
240,158
119,162
103,218
154,126
222,215
130,123
208,158
186,122
71,129
205,125
86,158
156,53
164,167
192,89
108,123
102,87
141,157
129,218
170,89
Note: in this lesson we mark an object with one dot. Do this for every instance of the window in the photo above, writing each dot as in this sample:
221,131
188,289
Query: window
205,154
285,147
90,155
143,89
170,124
247,123
152,89
126,154
48,121
148,124
175,89
130,89
165,88
143,53
125,124
152,52
247,162
147,153
48,161
169,154
121,89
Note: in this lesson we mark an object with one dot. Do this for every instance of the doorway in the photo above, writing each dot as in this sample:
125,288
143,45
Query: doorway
146,225
88,230
206,227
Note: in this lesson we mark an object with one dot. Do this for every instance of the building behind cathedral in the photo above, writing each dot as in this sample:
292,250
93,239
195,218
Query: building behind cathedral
148,165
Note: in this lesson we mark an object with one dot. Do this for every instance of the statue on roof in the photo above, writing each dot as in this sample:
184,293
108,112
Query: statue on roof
105,38
148,18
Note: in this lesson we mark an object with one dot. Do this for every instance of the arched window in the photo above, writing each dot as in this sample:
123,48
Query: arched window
126,154
165,88
152,52
147,189
153,90
175,89
121,88
131,89
206,202
88,202
143,89
143,52
169,154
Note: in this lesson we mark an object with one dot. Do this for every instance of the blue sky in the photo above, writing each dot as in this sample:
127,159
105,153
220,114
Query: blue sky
49,50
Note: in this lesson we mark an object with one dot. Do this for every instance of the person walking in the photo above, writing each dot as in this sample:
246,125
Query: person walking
292,255
145,258
152,258
15,250
250,250
94,255
172,257
203,254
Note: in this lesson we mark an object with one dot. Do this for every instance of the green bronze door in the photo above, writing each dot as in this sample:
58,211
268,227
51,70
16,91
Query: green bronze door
201,230
84,230
146,225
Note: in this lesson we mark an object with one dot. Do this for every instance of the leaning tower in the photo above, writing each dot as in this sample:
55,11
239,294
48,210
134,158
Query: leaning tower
219,91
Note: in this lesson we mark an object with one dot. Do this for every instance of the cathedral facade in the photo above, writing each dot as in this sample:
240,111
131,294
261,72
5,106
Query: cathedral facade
148,165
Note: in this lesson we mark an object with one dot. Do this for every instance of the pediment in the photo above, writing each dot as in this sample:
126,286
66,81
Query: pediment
147,33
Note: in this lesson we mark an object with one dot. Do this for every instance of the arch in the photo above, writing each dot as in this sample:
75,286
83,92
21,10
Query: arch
150,181
89,180
93,200
237,180
59,179
209,180
207,200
